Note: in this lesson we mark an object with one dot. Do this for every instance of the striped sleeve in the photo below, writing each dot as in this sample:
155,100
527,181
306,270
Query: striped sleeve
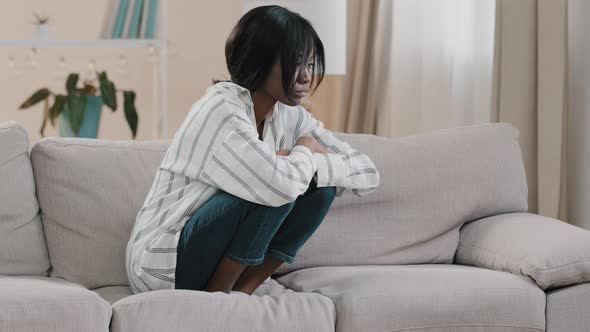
246,167
343,166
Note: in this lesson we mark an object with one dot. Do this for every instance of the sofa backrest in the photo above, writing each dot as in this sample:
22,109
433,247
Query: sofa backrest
91,190
431,184
22,244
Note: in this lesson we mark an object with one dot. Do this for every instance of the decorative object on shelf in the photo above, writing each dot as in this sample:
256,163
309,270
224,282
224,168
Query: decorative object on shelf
150,22
78,111
153,36
134,20
42,23
130,19
119,22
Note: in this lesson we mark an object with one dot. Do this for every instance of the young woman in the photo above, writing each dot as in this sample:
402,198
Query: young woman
250,174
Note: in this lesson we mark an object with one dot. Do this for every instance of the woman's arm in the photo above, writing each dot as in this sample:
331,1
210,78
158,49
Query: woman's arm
246,167
343,166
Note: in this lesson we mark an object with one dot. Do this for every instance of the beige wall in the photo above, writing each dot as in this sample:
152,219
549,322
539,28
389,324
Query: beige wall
197,32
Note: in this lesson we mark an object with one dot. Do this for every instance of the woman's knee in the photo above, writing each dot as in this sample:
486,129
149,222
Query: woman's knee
325,194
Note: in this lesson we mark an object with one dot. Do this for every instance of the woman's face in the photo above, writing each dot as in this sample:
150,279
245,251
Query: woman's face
273,85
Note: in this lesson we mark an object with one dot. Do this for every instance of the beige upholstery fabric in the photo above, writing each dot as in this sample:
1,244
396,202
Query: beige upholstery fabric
22,245
270,308
41,304
113,294
567,309
90,192
432,297
552,252
431,184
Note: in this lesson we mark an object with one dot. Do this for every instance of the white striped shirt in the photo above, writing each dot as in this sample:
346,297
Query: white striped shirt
217,147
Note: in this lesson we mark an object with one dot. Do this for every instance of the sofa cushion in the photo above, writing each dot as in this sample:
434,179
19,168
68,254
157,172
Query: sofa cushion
431,183
551,252
567,308
90,191
113,294
428,297
271,307
22,244
40,304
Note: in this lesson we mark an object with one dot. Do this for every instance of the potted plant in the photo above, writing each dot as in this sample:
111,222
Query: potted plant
78,111
42,26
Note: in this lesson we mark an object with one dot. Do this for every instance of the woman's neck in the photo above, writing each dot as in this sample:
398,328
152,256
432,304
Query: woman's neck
263,104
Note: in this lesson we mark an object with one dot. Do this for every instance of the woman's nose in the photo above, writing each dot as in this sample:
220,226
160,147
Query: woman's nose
305,75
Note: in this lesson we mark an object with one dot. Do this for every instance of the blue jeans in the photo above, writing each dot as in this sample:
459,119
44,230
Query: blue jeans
226,225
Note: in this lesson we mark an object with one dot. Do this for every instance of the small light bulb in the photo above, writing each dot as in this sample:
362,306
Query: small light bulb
123,69
60,70
92,64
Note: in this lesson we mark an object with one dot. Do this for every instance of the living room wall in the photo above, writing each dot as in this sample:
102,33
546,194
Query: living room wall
197,32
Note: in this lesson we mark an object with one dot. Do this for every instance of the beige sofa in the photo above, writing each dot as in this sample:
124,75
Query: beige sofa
445,243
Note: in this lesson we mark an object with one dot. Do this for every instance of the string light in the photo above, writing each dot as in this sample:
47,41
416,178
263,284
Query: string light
152,56
13,73
60,69
91,72
123,69
32,59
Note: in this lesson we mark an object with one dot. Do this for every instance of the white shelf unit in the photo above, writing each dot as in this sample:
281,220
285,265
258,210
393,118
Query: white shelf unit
160,44
98,43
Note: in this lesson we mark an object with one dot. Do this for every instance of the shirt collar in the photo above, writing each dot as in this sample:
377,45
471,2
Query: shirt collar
238,90
245,96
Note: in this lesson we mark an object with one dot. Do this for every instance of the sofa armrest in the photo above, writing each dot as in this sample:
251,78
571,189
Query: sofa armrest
551,252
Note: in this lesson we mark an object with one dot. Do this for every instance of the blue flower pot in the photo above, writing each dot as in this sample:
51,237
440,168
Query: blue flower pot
89,128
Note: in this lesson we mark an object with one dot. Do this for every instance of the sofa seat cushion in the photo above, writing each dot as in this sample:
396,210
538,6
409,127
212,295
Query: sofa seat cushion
271,307
567,308
34,303
113,294
425,297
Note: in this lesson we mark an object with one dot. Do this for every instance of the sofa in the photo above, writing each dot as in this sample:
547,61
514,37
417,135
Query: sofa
445,243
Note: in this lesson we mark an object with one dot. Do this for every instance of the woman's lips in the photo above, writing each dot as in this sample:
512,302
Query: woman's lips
301,94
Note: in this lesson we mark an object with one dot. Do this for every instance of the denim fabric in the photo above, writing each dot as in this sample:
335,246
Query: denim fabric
245,232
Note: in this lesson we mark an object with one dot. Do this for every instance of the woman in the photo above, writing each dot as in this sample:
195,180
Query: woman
250,174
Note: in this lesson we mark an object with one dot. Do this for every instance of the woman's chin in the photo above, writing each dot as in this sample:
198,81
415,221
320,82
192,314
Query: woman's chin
293,101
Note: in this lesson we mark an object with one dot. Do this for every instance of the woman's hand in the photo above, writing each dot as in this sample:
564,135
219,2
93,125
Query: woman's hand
320,149
311,143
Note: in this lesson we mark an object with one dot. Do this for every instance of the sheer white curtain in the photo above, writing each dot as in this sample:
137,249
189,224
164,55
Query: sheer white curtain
435,64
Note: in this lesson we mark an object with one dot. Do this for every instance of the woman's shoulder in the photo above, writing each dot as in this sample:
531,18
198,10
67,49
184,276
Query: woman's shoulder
229,93
220,97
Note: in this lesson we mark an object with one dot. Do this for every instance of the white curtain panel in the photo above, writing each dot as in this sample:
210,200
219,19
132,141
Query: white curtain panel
436,60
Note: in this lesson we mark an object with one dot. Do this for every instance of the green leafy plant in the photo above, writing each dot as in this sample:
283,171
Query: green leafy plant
76,98
40,19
